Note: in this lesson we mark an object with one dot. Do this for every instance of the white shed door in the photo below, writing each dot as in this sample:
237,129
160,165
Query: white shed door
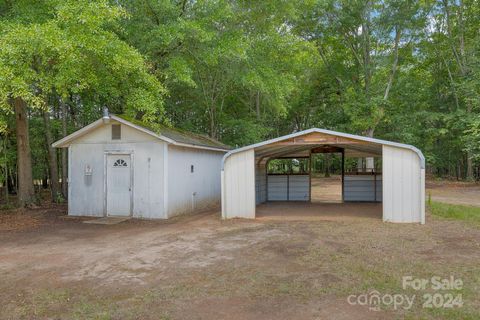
119,186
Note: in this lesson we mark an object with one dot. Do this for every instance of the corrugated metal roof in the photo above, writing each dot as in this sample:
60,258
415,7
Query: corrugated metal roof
177,135
171,135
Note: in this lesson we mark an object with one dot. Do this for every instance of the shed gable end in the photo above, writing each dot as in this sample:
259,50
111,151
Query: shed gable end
114,132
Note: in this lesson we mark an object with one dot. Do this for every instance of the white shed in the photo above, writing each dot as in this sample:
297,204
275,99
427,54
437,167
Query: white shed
400,186
119,167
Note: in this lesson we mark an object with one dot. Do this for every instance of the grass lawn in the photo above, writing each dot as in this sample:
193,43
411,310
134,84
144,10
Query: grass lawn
469,214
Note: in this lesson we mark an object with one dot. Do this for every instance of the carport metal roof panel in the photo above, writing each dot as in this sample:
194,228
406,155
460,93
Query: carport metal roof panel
353,144
275,151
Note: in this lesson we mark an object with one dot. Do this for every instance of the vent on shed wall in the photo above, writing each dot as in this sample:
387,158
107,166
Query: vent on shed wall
116,132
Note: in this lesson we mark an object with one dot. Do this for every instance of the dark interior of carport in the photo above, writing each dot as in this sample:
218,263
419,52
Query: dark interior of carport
290,194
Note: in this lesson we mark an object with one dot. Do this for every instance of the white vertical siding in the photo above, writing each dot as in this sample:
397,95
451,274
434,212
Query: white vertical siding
238,185
403,186
87,194
148,196
190,191
165,178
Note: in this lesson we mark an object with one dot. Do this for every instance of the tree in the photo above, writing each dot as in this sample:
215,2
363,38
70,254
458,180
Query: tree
66,49
223,62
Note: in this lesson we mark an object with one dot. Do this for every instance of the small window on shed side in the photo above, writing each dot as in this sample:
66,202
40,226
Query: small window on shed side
116,132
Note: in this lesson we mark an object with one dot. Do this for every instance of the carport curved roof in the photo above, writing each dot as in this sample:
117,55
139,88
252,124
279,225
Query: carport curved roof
370,146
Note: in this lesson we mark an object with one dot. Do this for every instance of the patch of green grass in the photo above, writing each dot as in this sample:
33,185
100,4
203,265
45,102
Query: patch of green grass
8,206
88,309
457,212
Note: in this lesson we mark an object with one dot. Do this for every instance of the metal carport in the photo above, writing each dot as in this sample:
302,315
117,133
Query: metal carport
403,170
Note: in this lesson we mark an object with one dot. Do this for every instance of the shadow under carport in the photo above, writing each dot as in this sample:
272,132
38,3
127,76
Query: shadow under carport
290,210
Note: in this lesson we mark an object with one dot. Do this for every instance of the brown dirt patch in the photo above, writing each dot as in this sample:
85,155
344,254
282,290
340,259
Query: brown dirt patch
24,219
453,192
303,211
327,189
17,220
200,267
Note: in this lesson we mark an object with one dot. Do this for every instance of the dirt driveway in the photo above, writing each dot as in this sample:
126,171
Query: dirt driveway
454,192
200,267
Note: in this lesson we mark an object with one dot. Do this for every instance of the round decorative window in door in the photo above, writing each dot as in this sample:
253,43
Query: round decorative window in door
120,163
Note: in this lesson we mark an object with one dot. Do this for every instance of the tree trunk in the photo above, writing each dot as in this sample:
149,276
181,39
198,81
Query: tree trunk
257,104
26,193
327,165
455,96
213,127
45,179
469,167
64,151
461,59
369,161
469,154
5,168
366,49
52,159
395,63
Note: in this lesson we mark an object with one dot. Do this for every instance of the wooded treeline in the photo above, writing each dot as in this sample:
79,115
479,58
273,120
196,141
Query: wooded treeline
241,72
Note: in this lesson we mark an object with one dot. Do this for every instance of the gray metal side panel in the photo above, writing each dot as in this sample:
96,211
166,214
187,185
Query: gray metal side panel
379,190
299,188
362,188
288,188
277,188
260,184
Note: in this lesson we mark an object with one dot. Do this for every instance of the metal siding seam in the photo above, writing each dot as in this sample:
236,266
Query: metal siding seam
222,192
413,198
288,187
422,196
383,184
165,181
69,180
252,177
393,182
401,186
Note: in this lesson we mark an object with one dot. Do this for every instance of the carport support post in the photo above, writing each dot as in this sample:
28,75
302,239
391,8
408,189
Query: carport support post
343,174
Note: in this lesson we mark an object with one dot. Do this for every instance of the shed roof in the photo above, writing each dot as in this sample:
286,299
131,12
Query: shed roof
296,144
168,134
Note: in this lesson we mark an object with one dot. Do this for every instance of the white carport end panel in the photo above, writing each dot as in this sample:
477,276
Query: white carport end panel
238,185
403,186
